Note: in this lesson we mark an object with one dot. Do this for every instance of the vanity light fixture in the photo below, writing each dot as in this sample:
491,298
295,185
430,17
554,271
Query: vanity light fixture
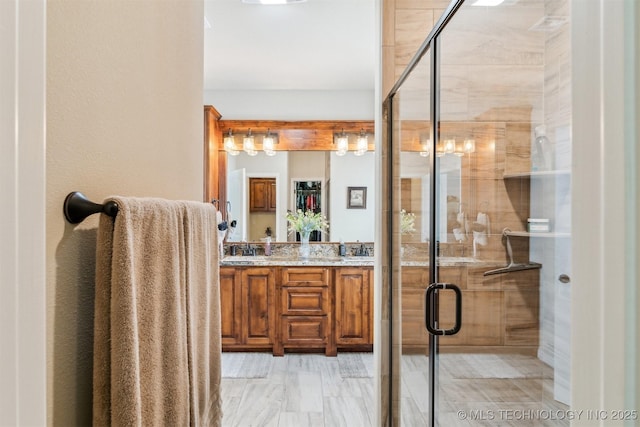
267,144
342,143
230,144
439,149
362,144
248,144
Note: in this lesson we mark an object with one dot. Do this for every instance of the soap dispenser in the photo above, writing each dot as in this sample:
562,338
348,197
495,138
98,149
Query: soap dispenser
342,251
267,240
267,246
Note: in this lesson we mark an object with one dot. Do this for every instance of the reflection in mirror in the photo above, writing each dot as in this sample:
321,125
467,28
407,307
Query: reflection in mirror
454,223
262,207
261,189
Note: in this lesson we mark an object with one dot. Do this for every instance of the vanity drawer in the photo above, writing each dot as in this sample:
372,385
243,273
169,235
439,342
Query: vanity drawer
305,276
304,331
301,300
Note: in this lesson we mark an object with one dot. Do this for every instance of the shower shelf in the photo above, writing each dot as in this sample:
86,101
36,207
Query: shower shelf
529,174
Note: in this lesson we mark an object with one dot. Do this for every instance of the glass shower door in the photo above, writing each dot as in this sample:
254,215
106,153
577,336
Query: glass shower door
481,200
504,110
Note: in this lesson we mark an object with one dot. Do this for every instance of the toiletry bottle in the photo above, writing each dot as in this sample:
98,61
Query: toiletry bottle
542,154
342,249
267,247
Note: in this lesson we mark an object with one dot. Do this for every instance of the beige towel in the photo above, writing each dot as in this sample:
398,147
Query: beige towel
157,318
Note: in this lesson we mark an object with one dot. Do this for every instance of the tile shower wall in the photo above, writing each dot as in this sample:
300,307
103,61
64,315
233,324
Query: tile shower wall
551,198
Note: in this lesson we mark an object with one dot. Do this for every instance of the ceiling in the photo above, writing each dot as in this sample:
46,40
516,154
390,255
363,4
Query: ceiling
316,45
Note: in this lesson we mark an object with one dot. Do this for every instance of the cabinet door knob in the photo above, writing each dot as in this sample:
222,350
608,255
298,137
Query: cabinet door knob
564,278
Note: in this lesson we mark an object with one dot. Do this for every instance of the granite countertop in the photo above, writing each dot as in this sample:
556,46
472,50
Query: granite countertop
355,261
261,260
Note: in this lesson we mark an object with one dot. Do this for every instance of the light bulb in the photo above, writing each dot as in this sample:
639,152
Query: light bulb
469,145
342,142
248,144
268,143
362,144
449,146
230,144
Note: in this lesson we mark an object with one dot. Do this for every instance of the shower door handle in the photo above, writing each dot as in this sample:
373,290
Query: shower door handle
431,299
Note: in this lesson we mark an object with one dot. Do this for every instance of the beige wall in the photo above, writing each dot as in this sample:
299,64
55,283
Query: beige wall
124,116
405,25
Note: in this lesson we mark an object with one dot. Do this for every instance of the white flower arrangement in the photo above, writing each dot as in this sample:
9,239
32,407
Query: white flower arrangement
407,222
306,222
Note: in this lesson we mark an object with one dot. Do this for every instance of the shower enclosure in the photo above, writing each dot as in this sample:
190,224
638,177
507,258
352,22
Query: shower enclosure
478,167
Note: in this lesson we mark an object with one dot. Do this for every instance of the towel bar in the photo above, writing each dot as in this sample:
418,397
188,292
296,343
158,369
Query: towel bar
77,207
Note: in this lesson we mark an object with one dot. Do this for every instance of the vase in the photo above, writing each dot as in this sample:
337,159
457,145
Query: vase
305,249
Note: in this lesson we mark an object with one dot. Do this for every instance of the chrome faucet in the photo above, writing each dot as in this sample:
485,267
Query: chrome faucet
248,250
362,251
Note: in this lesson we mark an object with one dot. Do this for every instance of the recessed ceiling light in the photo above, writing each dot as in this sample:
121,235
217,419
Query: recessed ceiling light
273,1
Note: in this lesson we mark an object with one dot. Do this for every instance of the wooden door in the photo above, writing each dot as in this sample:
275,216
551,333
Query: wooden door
262,194
230,306
272,195
258,316
353,306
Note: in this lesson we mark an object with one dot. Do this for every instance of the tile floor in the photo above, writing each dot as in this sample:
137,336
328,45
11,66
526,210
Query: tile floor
300,390
308,390
482,390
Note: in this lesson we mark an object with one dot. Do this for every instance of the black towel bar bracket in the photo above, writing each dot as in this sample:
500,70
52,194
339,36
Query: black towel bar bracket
77,207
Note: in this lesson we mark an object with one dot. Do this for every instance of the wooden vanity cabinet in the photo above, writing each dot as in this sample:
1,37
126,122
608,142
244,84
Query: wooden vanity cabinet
301,308
262,194
353,307
247,303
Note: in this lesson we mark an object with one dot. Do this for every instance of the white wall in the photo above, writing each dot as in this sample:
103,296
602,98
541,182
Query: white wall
124,116
22,191
292,105
352,171
605,91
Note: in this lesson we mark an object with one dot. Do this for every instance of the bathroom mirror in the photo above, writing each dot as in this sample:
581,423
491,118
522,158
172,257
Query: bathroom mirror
335,173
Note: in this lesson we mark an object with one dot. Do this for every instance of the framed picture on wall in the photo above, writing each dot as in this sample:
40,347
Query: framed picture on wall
356,197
